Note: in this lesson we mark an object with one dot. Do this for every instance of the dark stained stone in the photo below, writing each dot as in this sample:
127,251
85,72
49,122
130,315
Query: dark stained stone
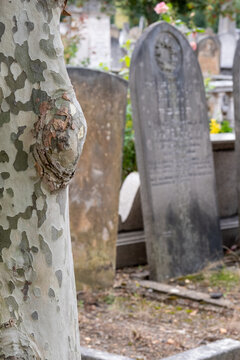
174,154
94,191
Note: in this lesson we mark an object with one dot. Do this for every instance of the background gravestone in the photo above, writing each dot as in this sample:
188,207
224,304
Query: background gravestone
208,50
174,154
227,35
94,193
236,97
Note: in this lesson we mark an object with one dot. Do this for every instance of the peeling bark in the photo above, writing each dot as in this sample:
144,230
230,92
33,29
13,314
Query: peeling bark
42,131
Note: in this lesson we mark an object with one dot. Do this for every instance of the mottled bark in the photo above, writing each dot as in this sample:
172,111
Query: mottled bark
42,130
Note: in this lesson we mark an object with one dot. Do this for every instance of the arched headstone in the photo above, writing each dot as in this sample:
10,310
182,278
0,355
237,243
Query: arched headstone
174,154
208,51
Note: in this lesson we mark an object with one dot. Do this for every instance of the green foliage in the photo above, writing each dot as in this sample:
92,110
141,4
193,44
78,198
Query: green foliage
109,299
129,153
70,47
225,127
224,278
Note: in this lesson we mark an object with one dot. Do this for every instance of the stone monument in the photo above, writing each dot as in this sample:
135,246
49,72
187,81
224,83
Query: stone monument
174,154
92,28
208,51
228,38
94,193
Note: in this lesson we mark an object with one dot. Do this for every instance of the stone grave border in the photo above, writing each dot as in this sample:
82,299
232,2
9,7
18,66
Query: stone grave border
227,349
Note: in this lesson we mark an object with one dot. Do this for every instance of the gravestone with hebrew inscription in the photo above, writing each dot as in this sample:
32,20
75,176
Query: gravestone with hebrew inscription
174,154
94,193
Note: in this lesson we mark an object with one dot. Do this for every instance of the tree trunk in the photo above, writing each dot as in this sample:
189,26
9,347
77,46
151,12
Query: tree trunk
42,131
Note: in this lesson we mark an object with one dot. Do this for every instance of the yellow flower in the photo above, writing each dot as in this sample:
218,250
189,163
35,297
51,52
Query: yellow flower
214,127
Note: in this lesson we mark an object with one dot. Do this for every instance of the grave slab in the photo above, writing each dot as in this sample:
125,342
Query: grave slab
174,154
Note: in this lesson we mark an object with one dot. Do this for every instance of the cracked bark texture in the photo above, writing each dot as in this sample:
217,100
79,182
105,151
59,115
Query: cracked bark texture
42,131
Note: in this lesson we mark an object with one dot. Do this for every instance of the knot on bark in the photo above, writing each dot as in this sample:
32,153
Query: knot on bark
17,346
60,133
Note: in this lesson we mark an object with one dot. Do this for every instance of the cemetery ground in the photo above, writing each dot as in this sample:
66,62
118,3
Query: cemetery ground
143,324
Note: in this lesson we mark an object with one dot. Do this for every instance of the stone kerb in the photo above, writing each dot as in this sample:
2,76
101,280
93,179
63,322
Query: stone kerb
177,175
226,349
94,192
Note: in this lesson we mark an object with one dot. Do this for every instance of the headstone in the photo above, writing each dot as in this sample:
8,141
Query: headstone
94,193
208,51
174,154
236,96
130,208
228,38
92,27
117,53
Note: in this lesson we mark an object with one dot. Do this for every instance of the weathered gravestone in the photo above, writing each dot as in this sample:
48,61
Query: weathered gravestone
174,154
94,193
236,97
228,38
208,51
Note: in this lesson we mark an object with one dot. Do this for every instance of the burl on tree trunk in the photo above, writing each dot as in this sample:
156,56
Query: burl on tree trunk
42,131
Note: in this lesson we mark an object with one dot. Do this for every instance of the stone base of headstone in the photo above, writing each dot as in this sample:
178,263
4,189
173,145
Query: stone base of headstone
131,249
131,246
224,156
230,231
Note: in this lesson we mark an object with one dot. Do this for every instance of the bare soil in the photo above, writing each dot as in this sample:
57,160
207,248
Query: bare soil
145,325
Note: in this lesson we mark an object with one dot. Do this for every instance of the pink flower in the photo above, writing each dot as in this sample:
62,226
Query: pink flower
193,45
161,8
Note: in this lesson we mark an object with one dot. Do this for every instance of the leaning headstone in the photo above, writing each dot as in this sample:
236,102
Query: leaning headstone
174,154
94,193
130,207
208,51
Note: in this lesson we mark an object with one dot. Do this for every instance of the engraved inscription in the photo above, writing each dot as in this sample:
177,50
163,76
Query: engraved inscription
168,54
